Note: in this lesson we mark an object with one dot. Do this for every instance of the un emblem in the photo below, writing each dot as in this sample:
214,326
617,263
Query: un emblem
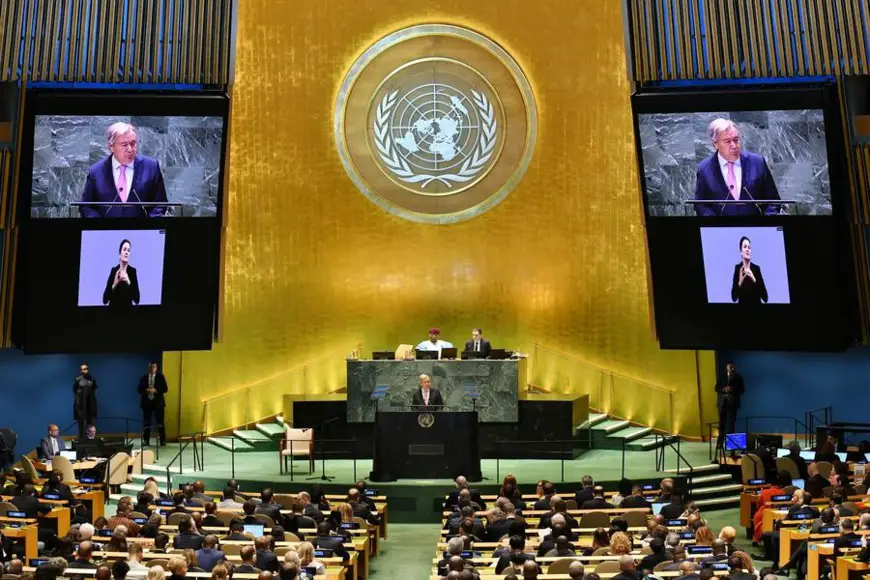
435,123
425,420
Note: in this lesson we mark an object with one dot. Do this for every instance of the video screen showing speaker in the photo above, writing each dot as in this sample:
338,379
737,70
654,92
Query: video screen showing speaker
134,262
89,286
745,265
739,153
780,283
131,155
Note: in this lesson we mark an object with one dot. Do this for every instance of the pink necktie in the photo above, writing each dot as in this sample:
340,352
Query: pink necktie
122,183
426,398
732,181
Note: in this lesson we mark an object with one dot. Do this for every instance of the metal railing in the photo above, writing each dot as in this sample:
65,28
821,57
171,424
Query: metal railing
815,419
667,442
184,441
609,392
798,428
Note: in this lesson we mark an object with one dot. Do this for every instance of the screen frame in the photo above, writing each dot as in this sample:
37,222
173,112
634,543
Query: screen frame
85,103
823,96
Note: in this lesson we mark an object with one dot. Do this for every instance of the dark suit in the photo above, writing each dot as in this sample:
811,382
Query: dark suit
313,512
728,403
673,510
267,560
333,543
598,503
483,348
756,184
147,186
155,406
453,499
740,575
546,521
61,489
45,448
30,506
124,295
361,510
211,521
246,569
273,511
436,402
582,496
185,541
635,501
84,401
651,561
496,530
207,558
81,564
750,292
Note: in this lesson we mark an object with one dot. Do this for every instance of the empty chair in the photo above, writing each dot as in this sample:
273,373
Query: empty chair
595,520
116,473
296,443
635,519
607,567
231,549
560,566
786,464
851,506
265,520
226,517
751,468
175,518
62,464
157,562
571,504
30,469
5,507
825,468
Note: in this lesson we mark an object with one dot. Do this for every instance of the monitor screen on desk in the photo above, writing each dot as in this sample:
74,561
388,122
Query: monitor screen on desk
735,442
798,483
842,455
808,455
782,452
71,455
657,508
254,529
426,354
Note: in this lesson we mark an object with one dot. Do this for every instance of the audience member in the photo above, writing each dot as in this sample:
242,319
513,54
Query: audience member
136,570
209,555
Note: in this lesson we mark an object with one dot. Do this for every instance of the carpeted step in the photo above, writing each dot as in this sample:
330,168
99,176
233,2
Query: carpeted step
273,431
227,443
255,439
683,470
631,433
594,419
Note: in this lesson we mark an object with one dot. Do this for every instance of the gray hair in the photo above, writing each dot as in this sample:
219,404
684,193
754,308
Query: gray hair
672,540
558,519
864,520
86,531
115,130
793,445
770,577
719,126
454,546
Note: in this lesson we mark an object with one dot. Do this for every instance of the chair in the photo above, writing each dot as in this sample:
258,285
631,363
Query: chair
64,465
285,500
828,491
231,549
789,489
570,504
851,506
825,468
239,499
296,443
5,506
560,566
30,469
134,515
751,468
141,459
635,519
196,502
266,520
226,517
607,567
661,565
291,537
116,472
175,518
786,464
595,520
158,562
860,489
602,551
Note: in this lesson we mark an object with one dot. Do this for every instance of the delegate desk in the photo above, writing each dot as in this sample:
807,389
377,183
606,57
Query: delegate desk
497,381
438,445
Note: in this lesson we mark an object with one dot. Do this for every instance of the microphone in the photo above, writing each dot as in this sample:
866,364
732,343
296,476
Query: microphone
144,211
727,195
758,207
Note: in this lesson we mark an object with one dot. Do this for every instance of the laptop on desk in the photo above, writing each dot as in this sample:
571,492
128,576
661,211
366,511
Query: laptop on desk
426,354
449,353
498,354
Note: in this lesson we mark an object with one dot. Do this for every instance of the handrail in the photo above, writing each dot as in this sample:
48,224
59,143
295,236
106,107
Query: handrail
668,441
188,438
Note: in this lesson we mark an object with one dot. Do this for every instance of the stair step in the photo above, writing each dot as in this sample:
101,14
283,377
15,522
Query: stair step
226,443
710,478
695,469
594,419
280,420
143,476
617,426
271,430
731,487
257,440
156,470
632,433
603,425
727,501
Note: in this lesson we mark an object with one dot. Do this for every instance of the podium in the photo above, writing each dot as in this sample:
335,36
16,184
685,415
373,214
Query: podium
428,445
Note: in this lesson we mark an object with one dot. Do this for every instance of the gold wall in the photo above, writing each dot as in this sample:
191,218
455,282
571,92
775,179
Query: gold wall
313,269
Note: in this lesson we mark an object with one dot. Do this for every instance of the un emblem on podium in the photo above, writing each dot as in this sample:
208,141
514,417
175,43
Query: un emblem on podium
425,420
435,123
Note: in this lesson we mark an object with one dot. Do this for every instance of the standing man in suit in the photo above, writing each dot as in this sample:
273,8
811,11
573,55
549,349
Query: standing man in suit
123,177
152,390
84,399
478,345
728,393
52,444
730,174
426,398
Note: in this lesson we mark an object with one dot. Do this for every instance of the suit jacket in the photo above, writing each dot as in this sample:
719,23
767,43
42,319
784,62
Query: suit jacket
211,521
123,295
81,564
84,398
362,510
635,501
267,560
844,541
147,186
208,558
485,347
30,506
333,543
749,292
756,184
160,389
650,561
496,530
582,496
598,503
185,541
62,489
542,504
246,569
436,402
737,389
547,519
45,446
453,499
313,512
741,575
673,510
273,511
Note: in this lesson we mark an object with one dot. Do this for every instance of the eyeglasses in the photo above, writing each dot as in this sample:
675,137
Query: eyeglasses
127,145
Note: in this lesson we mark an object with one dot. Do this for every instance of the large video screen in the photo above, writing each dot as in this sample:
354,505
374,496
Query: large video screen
136,155
780,283
733,260
117,290
739,153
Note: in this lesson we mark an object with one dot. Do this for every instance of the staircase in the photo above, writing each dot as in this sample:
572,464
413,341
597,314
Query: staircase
263,437
609,433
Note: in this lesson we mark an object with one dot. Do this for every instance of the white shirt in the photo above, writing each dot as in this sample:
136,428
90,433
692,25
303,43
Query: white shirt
738,175
116,174
137,569
429,345
54,446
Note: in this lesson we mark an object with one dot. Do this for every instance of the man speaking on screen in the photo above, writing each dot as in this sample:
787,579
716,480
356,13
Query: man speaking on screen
732,174
123,177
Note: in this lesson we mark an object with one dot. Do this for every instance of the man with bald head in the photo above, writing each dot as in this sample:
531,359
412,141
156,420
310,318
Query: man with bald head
576,570
627,568
732,174
123,176
453,497
83,556
360,508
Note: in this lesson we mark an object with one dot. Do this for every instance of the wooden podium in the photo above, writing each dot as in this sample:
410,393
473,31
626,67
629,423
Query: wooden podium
436,445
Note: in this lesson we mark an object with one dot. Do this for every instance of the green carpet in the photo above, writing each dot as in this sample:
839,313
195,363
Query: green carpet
408,553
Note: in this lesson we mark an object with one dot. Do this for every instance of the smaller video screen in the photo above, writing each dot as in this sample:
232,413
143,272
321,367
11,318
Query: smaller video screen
121,269
745,265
